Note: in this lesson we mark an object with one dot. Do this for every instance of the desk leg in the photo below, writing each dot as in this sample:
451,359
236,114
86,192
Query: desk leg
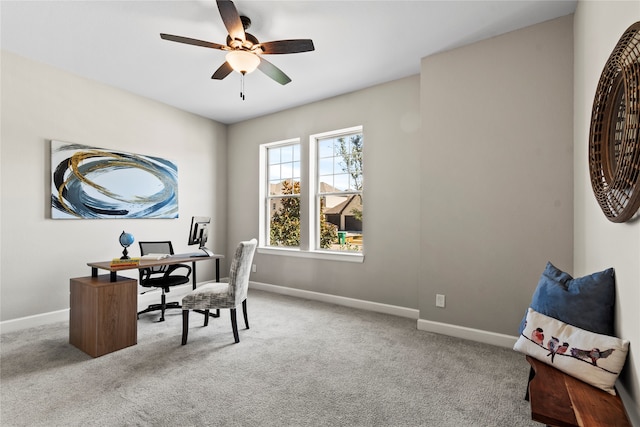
193,272
217,280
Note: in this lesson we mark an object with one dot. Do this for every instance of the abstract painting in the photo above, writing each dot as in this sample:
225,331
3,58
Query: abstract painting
90,182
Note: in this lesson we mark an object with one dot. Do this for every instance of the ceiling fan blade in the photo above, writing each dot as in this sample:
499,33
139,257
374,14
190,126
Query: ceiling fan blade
222,72
274,72
231,19
191,41
288,46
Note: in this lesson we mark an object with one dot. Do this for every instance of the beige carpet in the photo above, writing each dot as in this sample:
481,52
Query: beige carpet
302,363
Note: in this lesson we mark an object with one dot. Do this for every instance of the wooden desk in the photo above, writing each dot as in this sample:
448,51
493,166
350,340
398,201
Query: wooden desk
103,309
174,259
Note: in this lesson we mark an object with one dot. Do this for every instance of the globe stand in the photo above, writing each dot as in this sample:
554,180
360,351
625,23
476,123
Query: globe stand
125,254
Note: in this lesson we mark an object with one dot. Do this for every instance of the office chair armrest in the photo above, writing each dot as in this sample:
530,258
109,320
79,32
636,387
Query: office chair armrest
175,267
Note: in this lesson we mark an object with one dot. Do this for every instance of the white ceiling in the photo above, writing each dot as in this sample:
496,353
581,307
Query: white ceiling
358,44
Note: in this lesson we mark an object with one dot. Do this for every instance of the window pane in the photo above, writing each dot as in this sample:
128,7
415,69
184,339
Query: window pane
341,182
286,186
274,156
274,172
326,184
275,187
286,154
325,148
325,167
286,171
296,153
284,221
341,223
296,170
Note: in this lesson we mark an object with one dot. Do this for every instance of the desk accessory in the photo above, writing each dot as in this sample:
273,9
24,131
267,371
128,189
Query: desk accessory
126,240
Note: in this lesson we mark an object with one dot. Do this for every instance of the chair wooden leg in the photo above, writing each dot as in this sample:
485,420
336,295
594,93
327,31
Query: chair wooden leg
206,318
234,325
244,311
185,326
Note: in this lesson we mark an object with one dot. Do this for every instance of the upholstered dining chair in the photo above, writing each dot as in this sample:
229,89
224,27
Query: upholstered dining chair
162,277
214,295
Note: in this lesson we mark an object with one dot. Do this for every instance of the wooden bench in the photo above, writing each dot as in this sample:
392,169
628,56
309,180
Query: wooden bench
558,399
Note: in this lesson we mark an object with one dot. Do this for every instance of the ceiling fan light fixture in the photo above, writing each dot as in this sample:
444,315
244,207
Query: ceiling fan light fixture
242,61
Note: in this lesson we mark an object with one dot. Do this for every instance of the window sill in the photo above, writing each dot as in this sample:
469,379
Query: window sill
326,255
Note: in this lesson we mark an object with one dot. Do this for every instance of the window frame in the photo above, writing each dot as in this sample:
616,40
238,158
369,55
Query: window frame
265,196
314,191
309,216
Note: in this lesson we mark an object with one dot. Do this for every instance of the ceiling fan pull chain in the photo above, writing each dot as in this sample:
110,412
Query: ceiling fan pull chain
242,86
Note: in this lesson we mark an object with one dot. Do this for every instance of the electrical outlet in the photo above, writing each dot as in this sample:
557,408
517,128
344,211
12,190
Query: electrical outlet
439,300
254,268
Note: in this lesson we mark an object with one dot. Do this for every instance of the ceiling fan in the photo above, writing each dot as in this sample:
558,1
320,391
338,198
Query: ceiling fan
244,51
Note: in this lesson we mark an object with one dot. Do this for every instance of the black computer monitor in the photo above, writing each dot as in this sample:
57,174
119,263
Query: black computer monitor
198,234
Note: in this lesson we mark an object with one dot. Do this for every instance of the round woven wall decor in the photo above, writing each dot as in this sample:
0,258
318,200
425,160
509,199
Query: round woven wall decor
614,136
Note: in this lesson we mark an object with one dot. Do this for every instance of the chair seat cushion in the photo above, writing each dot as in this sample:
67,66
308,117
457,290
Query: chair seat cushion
165,282
211,295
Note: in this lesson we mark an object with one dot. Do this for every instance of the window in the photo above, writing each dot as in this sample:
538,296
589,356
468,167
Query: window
283,194
338,197
313,203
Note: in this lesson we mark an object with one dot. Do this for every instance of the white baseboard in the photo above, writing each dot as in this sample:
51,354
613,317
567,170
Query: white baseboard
633,411
34,321
338,300
479,335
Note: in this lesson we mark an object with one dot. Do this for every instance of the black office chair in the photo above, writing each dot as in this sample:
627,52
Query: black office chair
161,277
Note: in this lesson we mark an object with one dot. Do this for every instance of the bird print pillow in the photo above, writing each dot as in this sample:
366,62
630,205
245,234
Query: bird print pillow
593,358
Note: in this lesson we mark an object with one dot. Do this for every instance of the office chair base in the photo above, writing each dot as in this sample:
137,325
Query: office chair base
158,307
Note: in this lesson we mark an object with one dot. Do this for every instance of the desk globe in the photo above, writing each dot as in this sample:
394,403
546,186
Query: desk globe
126,240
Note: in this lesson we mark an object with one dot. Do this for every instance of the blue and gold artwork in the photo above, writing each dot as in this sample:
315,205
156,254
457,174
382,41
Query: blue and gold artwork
89,182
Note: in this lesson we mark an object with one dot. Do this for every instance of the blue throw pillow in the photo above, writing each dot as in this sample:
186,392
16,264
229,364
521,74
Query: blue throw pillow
587,302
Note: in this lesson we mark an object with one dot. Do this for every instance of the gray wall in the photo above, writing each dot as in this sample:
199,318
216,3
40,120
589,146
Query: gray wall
496,192
390,116
599,243
40,103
